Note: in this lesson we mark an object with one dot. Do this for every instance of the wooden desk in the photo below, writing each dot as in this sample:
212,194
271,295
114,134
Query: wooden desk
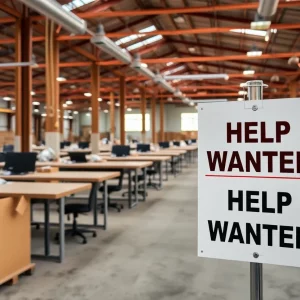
49,191
130,166
91,177
155,159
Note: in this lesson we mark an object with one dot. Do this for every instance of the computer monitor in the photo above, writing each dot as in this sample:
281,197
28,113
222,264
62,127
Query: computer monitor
83,145
67,143
176,143
20,162
62,145
143,148
188,142
77,157
194,141
120,150
164,145
8,148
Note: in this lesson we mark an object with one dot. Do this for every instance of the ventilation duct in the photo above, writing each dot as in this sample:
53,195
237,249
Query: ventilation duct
267,8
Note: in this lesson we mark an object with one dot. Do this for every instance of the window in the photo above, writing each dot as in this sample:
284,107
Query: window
139,44
133,122
189,122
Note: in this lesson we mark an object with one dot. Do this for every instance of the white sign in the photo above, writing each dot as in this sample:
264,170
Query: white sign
249,181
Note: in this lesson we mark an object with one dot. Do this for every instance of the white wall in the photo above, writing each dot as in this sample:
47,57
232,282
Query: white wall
172,116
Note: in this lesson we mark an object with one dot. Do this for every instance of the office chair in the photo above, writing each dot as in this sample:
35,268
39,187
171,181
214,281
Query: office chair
112,189
188,142
120,150
80,208
176,143
8,148
164,145
151,172
2,157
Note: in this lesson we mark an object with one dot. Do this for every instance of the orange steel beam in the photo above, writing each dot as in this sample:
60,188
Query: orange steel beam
12,40
10,10
176,32
181,10
7,20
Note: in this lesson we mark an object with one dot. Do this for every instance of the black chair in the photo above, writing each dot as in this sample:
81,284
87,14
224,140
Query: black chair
134,141
80,208
120,150
151,172
164,145
2,157
112,189
188,142
8,148
67,143
62,145
83,145
176,143
143,148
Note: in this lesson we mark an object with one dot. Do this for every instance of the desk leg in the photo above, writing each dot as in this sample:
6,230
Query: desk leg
94,195
160,174
47,227
136,186
105,205
173,167
167,175
61,229
145,184
129,190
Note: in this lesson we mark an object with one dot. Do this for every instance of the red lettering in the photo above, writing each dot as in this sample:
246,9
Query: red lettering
284,161
249,131
282,128
237,132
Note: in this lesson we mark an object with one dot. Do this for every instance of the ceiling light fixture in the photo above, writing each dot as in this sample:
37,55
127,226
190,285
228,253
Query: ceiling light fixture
196,77
69,102
61,79
139,67
240,99
32,93
105,111
54,11
36,103
100,99
108,46
65,105
44,115
36,110
243,93
248,72
117,104
87,94
7,98
254,53
75,112
129,109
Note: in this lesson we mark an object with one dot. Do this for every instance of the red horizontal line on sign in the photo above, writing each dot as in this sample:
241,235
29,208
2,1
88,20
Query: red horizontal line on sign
245,176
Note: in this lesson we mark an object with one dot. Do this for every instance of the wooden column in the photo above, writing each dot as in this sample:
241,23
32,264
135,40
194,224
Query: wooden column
52,122
162,121
122,110
143,112
23,116
112,116
61,120
8,117
95,86
153,120
293,89
70,137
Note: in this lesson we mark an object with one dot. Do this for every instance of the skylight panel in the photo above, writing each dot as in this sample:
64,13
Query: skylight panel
145,42
76,4
133,37
169,72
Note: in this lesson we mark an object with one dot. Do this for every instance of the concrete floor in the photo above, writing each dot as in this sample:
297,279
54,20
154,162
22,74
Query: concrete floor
149,253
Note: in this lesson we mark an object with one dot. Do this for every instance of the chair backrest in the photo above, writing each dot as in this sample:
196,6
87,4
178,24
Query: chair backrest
164,145
83,145
120,150
134,141
188,142
120,178
143,147
176,143
62,145
8,148
20,162
2,157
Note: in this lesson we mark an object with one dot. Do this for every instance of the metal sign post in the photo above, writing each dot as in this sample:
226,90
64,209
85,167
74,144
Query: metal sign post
255,92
